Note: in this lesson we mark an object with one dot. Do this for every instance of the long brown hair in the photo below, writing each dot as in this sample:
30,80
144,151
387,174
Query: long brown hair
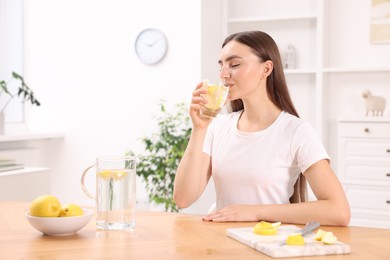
264,47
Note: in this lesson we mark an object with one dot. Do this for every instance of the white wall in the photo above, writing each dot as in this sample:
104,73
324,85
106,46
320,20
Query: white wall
81,62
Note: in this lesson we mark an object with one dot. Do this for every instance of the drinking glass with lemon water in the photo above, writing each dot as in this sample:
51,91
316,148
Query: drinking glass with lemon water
216,96
115,192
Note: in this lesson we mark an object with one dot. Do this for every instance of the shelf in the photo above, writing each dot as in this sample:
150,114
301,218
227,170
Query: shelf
297,25
25,170
355,70
365,119
271,19
299,71
17,137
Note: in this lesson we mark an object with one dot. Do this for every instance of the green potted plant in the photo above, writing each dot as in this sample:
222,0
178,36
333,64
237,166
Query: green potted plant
163,151
23,91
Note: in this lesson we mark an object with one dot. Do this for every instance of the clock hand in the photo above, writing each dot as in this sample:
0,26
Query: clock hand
151,44
147,44
155,42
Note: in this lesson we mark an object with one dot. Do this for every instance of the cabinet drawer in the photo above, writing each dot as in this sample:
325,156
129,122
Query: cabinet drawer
24,191
369,199
364,130
368,173
366,148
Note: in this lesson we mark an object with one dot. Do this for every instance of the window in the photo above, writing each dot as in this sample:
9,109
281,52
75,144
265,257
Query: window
11,53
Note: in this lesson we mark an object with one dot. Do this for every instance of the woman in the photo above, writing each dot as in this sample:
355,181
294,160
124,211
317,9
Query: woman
257,153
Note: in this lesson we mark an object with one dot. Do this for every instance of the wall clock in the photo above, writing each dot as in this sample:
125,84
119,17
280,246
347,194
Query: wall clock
151,46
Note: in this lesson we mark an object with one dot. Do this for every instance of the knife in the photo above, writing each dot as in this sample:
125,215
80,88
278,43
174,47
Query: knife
307,229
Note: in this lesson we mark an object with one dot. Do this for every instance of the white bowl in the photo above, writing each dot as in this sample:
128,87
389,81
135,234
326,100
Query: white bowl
61,225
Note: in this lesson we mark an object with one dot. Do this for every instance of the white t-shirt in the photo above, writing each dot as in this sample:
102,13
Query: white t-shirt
260,167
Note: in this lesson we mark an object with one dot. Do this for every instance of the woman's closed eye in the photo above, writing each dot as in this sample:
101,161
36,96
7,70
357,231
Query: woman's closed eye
232,66
229,65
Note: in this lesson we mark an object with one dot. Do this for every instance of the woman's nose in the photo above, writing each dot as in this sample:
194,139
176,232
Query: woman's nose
224,73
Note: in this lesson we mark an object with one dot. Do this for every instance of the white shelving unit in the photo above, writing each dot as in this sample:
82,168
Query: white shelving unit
28,136
309,25
358,70
25,170
25,184
300,24
364,163
33,180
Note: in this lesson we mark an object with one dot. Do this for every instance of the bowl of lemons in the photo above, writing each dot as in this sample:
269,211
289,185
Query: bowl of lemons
48,216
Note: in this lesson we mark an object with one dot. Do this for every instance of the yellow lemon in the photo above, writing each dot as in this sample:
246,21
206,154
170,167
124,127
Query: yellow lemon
329,238
266,232
265,225
45,206
216,94
326,237
70,210
295,239
265,228
114,174
320,235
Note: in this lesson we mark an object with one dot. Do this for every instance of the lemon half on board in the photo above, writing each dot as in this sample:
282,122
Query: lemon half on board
266,228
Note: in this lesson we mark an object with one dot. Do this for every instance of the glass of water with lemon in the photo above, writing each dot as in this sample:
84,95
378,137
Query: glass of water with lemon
216,96
115,192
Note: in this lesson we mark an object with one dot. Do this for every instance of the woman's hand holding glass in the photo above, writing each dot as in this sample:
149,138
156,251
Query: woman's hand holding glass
216,97
207,101
196,104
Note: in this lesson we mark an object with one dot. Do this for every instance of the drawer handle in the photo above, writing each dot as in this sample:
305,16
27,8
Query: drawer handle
388,150
388,201
388,174
366,130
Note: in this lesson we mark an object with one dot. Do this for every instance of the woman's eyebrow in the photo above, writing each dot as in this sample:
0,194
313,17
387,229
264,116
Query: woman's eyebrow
229,58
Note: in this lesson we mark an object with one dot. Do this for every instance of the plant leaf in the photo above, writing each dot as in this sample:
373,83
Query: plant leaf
163,152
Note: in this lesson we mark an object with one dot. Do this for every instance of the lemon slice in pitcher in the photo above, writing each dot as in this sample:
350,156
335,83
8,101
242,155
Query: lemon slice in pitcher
114,174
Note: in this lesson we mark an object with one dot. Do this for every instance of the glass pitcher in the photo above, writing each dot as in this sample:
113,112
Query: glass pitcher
115,192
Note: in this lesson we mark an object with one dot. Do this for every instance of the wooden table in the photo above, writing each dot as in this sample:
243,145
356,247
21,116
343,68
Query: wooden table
159,235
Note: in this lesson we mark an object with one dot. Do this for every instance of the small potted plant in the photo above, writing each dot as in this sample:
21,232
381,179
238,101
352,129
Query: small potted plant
24,92
163,152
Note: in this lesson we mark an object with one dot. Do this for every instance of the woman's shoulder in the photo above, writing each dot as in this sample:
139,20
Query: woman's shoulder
293,123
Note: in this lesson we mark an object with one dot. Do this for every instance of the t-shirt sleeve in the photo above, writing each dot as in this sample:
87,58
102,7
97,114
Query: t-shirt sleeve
307,147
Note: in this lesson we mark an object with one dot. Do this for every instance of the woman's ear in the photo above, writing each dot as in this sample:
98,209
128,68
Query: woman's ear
267,69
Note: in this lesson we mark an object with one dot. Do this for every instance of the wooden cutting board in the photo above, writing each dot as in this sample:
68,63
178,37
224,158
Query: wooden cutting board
270,245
